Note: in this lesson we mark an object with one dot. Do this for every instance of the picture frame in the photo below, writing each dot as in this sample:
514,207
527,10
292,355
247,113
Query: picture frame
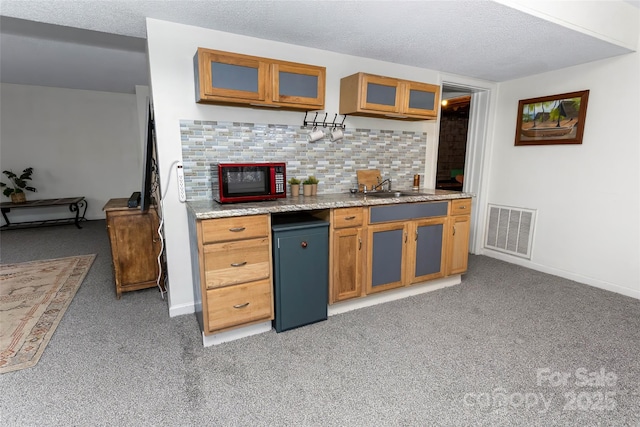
553,119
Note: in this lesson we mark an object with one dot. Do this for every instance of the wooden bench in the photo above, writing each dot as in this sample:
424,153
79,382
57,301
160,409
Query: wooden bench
75,204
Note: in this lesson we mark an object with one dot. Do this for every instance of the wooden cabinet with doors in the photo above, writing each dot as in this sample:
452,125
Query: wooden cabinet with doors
459,229
386,256
428,249
364,94
135,245
405,244
347,248
233,286
236,79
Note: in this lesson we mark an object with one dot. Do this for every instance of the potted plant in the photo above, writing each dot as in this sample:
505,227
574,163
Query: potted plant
306,187
314,184
17,185
295,186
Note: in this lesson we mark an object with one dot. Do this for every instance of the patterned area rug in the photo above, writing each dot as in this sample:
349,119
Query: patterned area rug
33,298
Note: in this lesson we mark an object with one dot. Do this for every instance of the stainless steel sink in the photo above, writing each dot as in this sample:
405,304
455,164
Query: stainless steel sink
388,194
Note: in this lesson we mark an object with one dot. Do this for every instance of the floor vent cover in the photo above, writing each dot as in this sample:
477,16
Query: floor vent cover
510,230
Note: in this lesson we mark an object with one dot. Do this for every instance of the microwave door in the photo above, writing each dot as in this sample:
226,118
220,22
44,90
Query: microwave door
246,181
246,188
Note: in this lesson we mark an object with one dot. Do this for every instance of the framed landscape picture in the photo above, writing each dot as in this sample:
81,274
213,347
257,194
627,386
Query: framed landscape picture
554,119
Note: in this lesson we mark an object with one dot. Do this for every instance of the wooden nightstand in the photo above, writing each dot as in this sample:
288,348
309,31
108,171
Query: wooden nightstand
135,245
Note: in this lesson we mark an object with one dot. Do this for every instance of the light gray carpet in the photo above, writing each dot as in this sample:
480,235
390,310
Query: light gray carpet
466,355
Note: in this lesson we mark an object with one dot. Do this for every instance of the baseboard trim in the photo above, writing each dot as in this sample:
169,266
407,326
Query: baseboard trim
596,283
235,334
179,310
341,307
392,295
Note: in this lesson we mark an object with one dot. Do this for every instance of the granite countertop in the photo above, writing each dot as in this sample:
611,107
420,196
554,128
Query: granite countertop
211,209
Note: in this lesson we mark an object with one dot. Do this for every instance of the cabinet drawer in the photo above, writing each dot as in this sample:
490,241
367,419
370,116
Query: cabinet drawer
461,207
347,217
407,211
231,263
236,305
235,228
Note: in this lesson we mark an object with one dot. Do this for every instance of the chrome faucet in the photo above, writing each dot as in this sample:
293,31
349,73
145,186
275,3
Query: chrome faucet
381,185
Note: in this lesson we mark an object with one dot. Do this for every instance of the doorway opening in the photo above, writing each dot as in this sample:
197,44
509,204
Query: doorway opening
475,143
452,146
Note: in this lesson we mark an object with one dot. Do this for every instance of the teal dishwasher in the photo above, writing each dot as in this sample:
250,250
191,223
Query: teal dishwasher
300,270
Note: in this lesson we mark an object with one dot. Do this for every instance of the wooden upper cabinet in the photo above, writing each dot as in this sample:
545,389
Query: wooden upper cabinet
380,93
226,76
421,99
377,96
231,78
298,85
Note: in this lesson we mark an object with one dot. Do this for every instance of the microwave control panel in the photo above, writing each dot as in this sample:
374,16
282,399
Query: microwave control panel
279,179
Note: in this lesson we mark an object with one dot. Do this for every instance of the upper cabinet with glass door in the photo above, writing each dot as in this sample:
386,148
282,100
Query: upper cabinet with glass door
386,97
231,78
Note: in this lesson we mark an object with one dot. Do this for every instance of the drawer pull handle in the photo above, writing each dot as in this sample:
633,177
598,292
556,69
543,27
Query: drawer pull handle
238,264
349,218
463,207
246,304
304,244
237,229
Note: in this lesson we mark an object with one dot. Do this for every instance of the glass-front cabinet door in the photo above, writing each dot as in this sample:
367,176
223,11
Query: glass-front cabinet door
421,99
298,84
233,76
380,93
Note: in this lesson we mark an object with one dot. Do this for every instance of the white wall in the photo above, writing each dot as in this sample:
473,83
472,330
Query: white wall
586,196
80,143
171,48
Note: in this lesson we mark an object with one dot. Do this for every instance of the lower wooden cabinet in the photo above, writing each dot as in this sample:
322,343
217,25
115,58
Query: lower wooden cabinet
459,229
346,274
427,252
406,244
401,253
135,246
347,246
233,284
386,256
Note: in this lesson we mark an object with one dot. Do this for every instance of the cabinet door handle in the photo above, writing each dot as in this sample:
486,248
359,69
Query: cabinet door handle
349,218
405,237
454,230
359,243
416,239
238,264
237,229
246,304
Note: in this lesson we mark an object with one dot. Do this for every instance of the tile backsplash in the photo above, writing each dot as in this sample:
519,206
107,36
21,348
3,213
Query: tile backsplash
398,154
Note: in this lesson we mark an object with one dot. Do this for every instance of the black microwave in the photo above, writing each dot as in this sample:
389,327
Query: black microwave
248,182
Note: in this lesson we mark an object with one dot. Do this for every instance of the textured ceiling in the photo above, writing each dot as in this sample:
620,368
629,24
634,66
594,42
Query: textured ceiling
480,39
